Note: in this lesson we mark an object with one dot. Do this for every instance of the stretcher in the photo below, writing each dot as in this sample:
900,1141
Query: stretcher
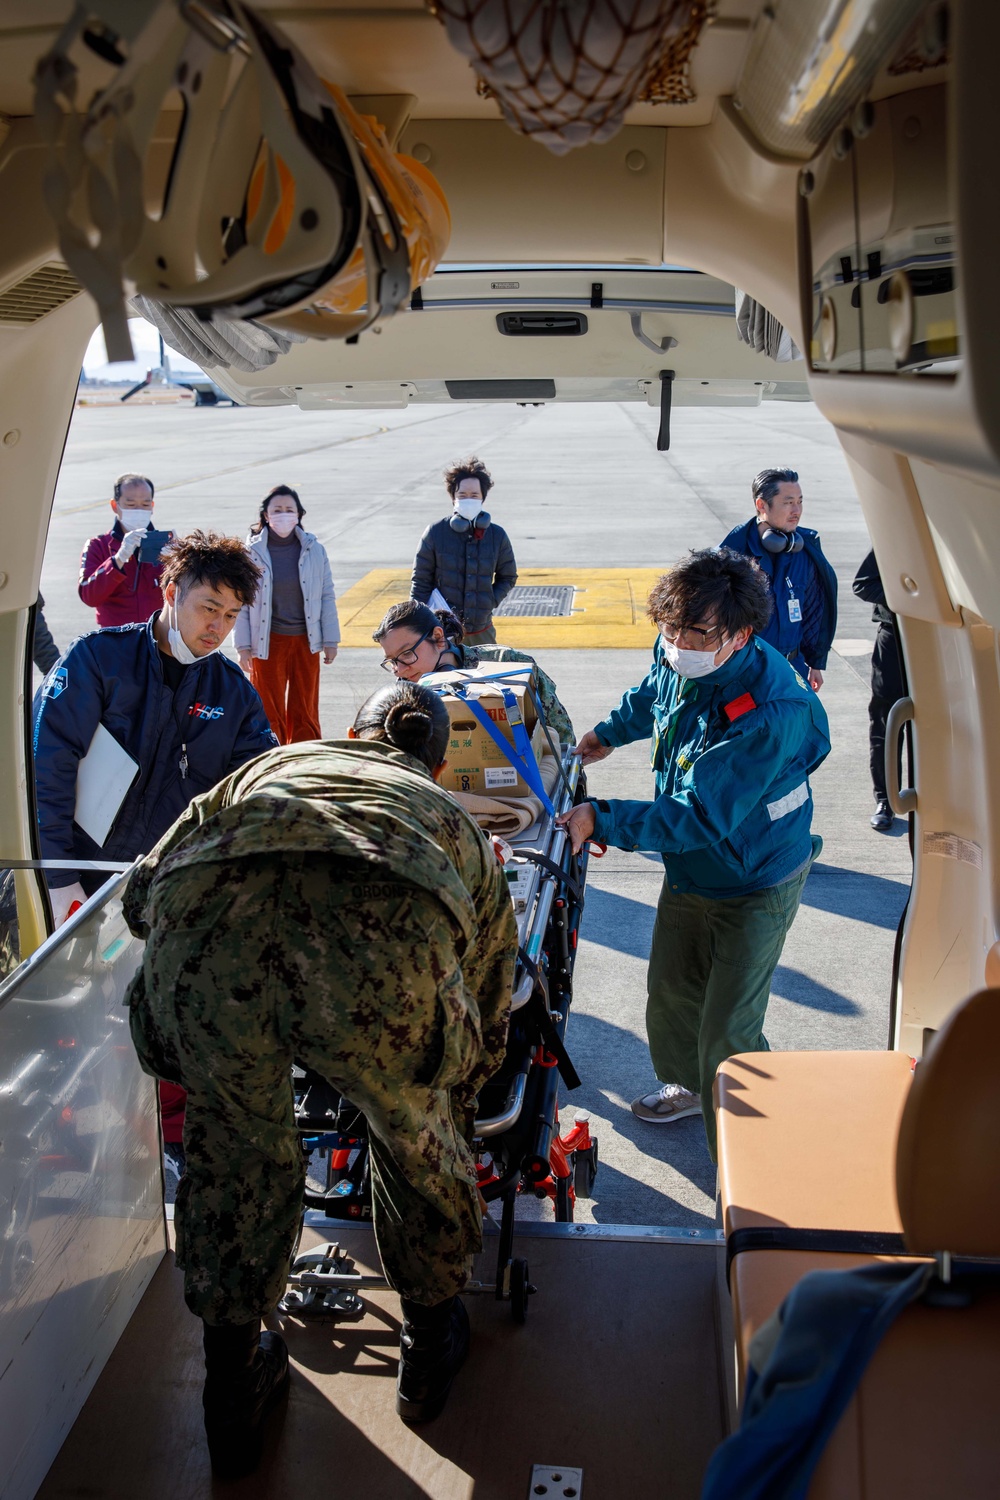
519,1148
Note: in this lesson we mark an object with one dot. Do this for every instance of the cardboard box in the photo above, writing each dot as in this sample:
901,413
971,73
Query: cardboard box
475,762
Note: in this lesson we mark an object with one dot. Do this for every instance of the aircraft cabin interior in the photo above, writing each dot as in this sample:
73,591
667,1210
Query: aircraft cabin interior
828,164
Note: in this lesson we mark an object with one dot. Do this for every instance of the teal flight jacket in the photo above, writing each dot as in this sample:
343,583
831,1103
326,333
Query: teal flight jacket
731,754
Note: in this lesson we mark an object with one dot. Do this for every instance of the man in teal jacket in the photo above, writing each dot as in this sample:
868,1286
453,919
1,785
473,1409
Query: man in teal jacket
735,733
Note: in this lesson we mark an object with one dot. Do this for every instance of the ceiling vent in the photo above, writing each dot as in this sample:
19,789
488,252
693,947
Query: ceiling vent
40,293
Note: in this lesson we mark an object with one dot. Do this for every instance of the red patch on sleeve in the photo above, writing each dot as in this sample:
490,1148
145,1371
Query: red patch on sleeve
738,707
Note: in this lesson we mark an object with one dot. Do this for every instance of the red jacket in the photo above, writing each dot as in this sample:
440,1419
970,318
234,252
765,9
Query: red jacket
172,1102
126,597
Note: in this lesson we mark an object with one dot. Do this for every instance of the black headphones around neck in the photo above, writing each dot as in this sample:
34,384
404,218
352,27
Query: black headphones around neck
780,541
460,524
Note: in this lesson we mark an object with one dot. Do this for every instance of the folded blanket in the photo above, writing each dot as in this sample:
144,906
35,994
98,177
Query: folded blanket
509,816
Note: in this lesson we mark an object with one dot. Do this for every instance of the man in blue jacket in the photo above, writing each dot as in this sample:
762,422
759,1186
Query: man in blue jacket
184,714
735,734
803,584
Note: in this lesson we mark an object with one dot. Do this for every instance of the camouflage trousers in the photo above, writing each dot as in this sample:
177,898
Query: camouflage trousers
253,964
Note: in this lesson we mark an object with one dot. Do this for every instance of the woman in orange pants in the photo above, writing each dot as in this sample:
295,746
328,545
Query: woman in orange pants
293,619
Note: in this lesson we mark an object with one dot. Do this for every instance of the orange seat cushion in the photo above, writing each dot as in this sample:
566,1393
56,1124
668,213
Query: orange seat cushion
808,1139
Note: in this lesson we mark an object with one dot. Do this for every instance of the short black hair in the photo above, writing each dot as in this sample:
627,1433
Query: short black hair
411,614
768,482
207,557
124,479
714,584
468,468
408,716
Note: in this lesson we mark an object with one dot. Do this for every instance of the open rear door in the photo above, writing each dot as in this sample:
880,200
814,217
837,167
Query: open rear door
531,335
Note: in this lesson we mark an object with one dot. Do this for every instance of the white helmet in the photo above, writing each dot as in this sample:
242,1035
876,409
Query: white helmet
272,199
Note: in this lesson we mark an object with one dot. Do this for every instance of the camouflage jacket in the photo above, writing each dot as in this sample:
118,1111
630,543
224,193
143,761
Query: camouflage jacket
353,799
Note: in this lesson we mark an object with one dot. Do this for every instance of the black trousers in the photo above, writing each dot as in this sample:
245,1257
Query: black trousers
887,687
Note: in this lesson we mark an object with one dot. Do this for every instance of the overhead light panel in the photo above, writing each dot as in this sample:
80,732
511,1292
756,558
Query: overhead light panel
811,61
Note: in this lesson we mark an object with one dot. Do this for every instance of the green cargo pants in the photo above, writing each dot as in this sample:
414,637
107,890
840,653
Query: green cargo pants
710,968
253,964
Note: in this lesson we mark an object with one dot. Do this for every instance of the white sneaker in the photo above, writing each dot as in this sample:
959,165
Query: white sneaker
670,1102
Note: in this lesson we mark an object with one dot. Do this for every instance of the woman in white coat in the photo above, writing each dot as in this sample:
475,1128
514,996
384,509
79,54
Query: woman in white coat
293,619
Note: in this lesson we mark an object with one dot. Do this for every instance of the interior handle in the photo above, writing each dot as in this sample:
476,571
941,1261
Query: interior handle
902,800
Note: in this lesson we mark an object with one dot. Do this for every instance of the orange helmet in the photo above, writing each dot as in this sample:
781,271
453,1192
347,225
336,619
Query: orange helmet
273,200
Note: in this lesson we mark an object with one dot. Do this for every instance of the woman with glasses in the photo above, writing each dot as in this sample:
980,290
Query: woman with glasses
416,639
292,621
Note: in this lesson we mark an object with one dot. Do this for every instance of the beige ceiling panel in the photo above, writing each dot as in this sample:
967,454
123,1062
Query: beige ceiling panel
731,212
512,200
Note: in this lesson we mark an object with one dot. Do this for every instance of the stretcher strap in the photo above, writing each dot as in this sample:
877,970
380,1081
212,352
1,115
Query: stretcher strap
572,884
554,748
520,753
551,1040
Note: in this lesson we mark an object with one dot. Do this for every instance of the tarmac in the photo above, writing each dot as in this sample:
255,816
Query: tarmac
582,491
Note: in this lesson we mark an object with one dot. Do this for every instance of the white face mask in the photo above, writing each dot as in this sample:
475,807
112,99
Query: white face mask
179,648
284,523
692,663
136,520
468,507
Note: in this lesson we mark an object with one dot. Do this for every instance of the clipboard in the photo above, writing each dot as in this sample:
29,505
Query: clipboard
103,779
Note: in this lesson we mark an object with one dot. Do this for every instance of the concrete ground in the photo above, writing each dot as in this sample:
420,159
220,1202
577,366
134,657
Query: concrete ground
575,487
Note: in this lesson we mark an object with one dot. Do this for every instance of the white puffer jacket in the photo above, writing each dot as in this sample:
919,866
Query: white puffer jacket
253,628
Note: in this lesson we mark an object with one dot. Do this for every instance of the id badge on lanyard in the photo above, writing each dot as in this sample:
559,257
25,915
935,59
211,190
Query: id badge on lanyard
794,606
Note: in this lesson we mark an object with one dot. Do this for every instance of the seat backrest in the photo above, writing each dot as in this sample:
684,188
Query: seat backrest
948,1148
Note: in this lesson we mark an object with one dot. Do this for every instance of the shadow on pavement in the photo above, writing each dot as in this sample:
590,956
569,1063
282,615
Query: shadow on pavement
800,989
851,893
618,922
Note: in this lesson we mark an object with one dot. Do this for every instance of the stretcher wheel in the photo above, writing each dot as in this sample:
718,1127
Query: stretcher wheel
519,1290
585,1169
564,1201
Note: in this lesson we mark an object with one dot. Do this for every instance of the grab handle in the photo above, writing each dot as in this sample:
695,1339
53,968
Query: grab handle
902,800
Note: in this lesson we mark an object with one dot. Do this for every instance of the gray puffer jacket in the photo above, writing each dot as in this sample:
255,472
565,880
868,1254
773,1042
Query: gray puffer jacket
474,575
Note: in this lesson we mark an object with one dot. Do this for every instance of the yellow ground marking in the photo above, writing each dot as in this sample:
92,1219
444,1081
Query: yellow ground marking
609,609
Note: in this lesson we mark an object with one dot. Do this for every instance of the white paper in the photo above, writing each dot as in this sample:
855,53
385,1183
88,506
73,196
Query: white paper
438,601
105,774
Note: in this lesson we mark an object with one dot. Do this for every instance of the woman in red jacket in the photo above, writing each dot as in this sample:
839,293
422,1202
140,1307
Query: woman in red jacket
113,580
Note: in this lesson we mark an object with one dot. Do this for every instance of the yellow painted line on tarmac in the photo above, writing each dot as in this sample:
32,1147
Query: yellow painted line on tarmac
609,609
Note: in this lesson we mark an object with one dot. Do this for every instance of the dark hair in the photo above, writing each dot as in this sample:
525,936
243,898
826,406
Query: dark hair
411,614
408,716
207,557
468,468
716,584
124,479
279,489
767,483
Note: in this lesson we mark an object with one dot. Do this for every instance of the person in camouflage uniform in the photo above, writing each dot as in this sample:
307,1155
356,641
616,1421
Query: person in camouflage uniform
416,639
328,904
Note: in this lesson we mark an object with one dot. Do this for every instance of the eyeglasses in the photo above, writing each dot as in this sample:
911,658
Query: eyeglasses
408,657
700,638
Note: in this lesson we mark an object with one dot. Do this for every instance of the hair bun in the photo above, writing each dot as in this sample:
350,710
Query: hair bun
408,725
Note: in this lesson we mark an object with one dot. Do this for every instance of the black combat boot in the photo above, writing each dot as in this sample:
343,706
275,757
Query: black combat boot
432,1349
246,1374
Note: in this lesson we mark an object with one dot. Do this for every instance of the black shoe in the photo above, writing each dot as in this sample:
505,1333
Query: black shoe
432,1349
246,1375
882,818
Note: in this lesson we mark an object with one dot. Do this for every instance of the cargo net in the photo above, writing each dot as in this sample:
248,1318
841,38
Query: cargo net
565,71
